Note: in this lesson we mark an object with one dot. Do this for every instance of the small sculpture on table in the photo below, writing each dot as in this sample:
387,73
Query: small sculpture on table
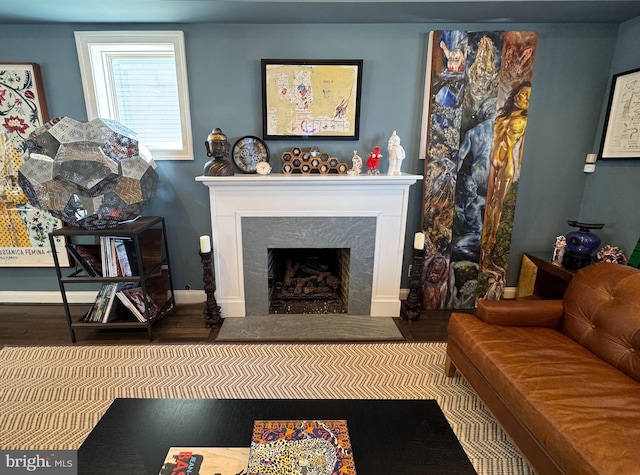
558,250
412,306
218,148
373,162
212,314
356,167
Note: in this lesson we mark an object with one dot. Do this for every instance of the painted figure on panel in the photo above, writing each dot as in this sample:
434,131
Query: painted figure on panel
468,220
482,76
506,157
517,58
473,161
453,48
435,282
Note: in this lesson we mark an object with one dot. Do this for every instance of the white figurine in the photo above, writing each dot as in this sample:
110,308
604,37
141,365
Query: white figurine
396,154
357,164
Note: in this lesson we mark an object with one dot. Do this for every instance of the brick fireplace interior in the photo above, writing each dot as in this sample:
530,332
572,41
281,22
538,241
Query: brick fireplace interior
308,281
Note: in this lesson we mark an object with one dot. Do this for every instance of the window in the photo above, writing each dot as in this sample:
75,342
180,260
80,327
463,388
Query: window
139,78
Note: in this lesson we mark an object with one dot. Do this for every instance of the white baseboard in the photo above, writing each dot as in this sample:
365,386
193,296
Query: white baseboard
85,296
182,296
509,293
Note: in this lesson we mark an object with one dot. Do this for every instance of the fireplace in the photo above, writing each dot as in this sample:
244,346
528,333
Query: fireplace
252,214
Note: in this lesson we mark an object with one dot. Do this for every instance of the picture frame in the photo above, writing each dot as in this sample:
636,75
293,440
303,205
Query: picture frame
621,133
24,238
311,99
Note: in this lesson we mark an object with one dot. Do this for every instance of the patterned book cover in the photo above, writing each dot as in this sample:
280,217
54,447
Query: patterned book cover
206,461
299,447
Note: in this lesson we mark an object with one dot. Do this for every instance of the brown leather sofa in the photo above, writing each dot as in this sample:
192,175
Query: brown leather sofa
562,377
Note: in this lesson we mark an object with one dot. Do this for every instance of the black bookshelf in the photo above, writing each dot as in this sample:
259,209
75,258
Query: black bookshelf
151,254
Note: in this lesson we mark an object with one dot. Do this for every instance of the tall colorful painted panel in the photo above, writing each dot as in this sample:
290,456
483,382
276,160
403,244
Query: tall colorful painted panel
476,107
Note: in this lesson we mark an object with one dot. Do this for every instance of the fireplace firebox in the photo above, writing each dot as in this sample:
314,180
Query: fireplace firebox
305,280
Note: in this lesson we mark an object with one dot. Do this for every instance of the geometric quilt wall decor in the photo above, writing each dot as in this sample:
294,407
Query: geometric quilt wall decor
477,93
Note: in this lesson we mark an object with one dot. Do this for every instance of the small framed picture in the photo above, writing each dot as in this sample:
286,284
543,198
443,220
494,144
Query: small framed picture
311,99
621,135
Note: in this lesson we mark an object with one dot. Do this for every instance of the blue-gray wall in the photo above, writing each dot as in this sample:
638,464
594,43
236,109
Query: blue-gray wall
572,71
612,193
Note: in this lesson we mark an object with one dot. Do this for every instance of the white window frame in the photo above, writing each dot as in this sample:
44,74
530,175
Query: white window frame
91,45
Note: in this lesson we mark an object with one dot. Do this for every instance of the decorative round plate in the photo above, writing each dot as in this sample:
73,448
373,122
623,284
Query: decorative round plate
248,151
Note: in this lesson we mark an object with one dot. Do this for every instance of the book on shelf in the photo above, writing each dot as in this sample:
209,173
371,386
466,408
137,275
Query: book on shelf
88,257
102,309
110,263
116,256
205,461
119,257
323,445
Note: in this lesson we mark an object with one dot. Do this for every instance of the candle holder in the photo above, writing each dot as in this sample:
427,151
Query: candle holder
412,306
212,315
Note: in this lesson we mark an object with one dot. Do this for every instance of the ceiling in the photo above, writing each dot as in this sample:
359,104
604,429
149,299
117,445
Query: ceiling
318,11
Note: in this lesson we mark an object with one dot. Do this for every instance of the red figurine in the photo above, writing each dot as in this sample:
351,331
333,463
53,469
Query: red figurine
373,161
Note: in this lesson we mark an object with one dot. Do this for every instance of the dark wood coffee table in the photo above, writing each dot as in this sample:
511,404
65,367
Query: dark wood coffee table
388,437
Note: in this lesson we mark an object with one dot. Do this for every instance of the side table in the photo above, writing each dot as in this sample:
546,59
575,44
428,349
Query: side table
540,279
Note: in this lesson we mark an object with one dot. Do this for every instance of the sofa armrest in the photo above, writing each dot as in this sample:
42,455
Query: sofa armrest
521,313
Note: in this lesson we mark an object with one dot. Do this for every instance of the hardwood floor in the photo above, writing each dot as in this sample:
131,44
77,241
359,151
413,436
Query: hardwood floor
30,324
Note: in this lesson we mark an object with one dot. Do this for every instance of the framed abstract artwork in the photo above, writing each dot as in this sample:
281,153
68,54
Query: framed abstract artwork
304,99
24,229
621,134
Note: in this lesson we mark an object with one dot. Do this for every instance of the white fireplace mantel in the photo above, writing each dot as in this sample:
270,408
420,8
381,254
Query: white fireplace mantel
384,197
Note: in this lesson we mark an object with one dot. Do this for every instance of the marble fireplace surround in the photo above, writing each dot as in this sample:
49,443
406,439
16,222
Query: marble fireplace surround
308,211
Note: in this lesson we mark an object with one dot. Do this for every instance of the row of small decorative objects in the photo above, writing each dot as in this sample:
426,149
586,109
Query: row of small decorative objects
251,155
576,249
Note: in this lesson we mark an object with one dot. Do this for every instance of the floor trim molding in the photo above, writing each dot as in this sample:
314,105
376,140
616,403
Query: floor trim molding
87,296
84,296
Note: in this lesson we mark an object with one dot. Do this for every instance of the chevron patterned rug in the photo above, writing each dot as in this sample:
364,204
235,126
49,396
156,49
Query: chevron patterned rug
51,397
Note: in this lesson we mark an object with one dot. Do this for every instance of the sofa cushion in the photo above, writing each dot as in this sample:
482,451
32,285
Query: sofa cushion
581,409
602,313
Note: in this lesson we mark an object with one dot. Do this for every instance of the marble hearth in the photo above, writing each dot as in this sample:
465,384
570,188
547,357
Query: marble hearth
252,213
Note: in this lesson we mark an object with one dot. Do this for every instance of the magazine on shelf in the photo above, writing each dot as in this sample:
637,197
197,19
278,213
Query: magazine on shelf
133,299
323,445
123,257
87,256
206,461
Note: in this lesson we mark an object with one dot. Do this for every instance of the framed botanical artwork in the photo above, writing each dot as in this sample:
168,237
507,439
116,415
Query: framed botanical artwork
311,99
621,134
24,229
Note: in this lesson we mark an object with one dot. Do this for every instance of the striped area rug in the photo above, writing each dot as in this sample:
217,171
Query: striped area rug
51,397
